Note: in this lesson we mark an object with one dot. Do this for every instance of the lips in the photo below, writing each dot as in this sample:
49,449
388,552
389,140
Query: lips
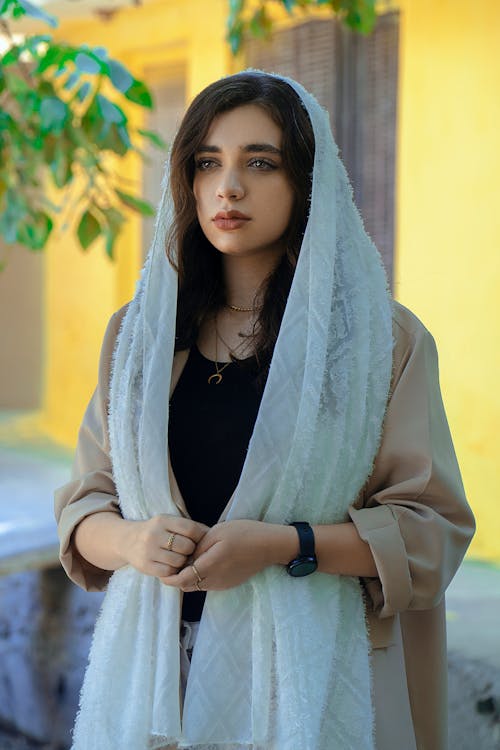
228,220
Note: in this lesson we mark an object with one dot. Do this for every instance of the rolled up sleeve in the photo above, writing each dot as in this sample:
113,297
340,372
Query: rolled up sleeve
413,511
91,489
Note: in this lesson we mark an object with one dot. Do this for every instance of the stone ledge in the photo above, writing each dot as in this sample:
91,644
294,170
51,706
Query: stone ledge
46,625
474,703
35,558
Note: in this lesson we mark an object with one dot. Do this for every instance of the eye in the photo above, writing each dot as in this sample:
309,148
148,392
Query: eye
262,164
204,164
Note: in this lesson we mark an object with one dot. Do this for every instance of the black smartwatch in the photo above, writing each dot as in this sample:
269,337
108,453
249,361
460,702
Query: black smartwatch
306,563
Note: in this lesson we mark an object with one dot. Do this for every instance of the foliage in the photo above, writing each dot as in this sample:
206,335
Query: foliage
358,15
61,117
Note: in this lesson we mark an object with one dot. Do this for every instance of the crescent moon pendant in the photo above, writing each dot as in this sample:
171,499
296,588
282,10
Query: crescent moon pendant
216,378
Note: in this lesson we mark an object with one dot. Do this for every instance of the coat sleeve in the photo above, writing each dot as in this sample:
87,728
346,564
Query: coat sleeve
91,489
413,512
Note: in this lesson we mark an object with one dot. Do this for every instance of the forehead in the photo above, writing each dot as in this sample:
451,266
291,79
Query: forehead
246,124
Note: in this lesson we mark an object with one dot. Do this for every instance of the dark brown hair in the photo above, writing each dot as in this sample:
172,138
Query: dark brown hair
201,285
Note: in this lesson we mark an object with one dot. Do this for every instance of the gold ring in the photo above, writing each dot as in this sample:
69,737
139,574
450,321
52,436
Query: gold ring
197,574
197,584
170,542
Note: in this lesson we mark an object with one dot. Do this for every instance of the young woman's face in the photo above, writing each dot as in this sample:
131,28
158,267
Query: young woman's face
244,198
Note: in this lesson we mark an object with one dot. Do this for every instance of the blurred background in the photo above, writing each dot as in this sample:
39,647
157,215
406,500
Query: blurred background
413,93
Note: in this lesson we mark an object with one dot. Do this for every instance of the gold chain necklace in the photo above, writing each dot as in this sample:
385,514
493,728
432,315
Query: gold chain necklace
216,377
243,309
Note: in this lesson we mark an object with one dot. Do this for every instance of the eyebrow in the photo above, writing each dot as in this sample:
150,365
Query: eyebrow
252,148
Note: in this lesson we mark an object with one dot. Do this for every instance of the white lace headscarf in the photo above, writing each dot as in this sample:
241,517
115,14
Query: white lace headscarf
280,663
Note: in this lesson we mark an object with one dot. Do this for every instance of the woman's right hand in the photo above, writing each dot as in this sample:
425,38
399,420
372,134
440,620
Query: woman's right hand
109,542
145,543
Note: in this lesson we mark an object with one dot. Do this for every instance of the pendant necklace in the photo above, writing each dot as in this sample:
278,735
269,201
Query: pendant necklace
216,377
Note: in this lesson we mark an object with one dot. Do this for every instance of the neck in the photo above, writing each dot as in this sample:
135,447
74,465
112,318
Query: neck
243,277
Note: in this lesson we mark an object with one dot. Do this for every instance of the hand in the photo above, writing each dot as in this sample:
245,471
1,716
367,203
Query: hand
145,543
232,552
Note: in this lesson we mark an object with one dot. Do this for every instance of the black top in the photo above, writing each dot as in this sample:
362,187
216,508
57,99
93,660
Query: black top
210,426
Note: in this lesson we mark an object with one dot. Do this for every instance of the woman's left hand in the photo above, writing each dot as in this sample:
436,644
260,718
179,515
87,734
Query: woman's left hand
232,552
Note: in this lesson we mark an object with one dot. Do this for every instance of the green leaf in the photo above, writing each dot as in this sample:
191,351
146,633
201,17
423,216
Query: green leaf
11,56
52,56
18,11
50,143
91,122
61,166
13,214
88,229
86,63
236,6
124,136
110,236
363,18
83,91
114,219
109,111
101,53
34,233
136,204
18,85
35,12
255,24
155,139
53,113
140,94
235,35
112,141
31,104
46,88
72,80
120,77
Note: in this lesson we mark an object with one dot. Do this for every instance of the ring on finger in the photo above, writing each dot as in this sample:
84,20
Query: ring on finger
170,542
197,584
199,579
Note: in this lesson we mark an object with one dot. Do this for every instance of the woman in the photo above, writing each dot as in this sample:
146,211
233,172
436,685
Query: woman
309,453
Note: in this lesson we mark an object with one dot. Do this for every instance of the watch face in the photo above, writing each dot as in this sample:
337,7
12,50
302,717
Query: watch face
302,566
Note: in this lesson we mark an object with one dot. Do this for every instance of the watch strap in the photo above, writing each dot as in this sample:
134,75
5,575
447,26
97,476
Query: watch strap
306,538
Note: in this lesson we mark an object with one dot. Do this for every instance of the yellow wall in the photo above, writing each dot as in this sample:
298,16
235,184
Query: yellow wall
447,263
448,224
83,289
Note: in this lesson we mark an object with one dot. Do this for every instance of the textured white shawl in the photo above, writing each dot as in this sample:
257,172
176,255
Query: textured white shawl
279,663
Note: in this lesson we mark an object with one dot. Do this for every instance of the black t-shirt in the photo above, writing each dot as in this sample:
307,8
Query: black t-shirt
210,426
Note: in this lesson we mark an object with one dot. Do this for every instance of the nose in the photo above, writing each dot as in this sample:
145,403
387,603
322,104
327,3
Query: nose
230,186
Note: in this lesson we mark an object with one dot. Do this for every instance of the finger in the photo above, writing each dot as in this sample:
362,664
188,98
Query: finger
174,559
170,581
181,544
204,545
184,579
185,526
159,570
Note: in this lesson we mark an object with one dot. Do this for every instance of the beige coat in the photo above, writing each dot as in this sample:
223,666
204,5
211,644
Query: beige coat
412,512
